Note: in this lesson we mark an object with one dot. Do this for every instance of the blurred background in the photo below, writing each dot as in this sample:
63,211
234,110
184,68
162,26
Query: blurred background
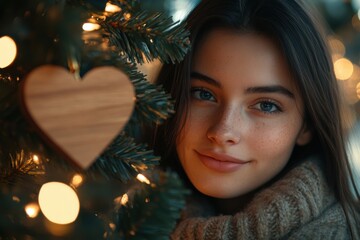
341,20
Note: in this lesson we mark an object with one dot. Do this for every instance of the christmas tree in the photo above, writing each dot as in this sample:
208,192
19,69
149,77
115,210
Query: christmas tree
72,103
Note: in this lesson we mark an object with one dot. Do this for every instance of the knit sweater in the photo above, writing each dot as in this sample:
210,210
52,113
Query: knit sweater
298,206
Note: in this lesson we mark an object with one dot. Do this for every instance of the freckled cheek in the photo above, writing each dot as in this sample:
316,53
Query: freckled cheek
273,141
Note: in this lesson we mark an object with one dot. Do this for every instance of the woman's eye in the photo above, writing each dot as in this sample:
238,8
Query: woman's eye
202,94
267,107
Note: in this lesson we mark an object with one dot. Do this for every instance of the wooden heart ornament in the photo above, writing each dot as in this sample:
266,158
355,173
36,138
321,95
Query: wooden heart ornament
81,117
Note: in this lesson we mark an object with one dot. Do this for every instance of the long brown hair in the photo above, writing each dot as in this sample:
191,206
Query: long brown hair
304,47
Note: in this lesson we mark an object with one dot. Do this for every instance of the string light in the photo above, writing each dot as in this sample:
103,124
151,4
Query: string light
32,210
59,202
127,16
8,51
112,226
36,159
16,199
77,180
90,27
142,178
123,200
112,8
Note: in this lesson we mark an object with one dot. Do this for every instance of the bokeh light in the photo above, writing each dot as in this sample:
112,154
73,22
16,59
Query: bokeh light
349,86
127,16
343,69
142,178
36,159
112,8
8,51
77,180
90,27
32,210
59,202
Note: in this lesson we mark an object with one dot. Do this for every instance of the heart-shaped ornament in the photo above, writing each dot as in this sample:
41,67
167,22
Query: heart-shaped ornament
80,117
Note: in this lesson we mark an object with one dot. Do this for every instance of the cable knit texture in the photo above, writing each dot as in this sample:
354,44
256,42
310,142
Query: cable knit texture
298,206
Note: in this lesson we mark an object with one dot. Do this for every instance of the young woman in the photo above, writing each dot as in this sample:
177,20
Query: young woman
257,130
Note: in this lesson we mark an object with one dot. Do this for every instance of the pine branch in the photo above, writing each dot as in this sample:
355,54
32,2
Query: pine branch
153,103
150,35
19,166
123,159
153,211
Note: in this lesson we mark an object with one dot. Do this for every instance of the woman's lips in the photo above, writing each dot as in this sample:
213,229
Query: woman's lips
220,162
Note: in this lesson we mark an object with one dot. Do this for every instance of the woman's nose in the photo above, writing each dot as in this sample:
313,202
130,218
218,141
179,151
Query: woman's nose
226,128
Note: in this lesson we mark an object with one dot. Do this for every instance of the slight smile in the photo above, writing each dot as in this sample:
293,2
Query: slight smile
220,162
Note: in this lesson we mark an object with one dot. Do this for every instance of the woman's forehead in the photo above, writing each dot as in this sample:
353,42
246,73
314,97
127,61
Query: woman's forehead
247,57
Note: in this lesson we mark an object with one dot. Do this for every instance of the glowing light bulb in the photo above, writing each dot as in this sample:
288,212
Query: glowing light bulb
36,159
142,178
7,51
122,199
112,226
343,68
90,27
112,8
16,199
127,16
32,210
59,202
77,180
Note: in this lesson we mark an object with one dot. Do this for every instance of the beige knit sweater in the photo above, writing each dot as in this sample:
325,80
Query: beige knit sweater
298,206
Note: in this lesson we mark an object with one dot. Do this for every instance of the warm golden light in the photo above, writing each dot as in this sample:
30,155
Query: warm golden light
142,178
59,202
127,16
36,159
90,27
112,8
343,69
112,226
77,180
358,90
122,200
16,199
7,51
32,210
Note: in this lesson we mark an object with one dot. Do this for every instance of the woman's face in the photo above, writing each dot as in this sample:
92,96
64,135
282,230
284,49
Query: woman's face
245,115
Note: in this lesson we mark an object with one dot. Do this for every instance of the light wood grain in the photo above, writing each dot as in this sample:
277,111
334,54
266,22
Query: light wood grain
81,117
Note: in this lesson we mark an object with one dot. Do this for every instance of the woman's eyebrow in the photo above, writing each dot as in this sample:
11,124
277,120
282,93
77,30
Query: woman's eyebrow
271,89
260,89
205,78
